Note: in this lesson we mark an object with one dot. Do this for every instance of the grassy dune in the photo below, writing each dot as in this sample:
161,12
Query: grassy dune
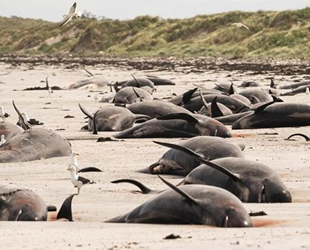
272,34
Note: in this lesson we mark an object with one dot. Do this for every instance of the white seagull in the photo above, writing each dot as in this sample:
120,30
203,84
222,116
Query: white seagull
307,91
3,140
78,181
72,14
74,161
240,25
24,121
3,114
25,117
172,93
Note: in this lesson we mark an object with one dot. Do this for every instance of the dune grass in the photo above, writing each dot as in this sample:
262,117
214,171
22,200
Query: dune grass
272,34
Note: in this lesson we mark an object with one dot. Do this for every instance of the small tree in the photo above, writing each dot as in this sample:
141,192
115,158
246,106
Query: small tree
89,15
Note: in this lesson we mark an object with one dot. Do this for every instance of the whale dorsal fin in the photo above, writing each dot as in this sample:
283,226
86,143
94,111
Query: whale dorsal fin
85,112
188,95
231,90
143,188
136,93
187,197
262,107
95,130
138,83
65,211
215,110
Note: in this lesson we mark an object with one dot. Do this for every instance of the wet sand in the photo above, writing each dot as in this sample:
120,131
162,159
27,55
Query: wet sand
287,226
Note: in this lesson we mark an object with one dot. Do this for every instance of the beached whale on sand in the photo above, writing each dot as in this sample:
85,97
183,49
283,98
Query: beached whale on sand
34,144
156,108
21,205
273,115
18,204
112,118
250,181
176,125
9,129
91,82
263,185
190,204
130,95
177,163
195,104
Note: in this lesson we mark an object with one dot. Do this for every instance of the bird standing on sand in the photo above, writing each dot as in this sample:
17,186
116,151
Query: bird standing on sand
307,91
72,14
78,181
240,25
3,114
3,140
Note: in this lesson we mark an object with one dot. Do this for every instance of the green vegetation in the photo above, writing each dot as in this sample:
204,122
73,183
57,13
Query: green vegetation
272,34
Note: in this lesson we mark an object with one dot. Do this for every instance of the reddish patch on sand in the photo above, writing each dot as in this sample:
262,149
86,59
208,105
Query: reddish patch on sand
243,135
52,216
265,222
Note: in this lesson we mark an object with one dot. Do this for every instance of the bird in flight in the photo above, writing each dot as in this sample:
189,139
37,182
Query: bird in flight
72,14
240,25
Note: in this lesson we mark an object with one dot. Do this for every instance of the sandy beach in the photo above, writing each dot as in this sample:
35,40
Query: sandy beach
287,226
